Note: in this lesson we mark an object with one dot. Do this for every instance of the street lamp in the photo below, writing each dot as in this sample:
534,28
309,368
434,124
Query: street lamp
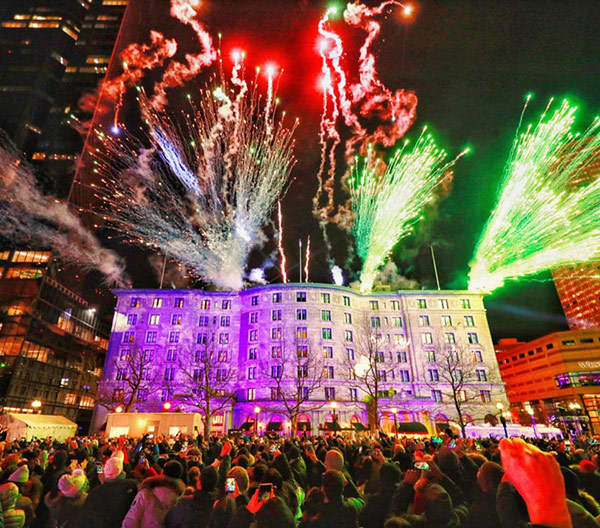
333,408
257,412
119,409
500,407
529,410
167,406
394,411
37,405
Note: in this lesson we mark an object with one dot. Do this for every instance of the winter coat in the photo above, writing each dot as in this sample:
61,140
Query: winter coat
9,494
107,504
64,511
157,495
377,508
192,511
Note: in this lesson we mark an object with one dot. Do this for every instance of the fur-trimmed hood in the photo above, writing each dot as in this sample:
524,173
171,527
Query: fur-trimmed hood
175,485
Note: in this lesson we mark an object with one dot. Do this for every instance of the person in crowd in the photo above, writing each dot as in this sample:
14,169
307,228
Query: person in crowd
65,506
13,517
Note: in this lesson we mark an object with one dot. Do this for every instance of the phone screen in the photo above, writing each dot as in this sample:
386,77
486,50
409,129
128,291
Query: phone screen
452,444
230,485
99,469
422,465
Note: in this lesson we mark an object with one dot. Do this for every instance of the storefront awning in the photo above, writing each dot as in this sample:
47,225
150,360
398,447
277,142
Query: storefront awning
332,426
247,426
411,428
274,426
358,427
303,426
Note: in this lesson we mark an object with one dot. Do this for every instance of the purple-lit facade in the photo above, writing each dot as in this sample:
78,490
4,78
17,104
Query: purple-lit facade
248,325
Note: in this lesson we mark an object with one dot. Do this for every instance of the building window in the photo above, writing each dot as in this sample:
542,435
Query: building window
350,354
404,375
169,374
275,394
250,394
477,356
328,352
222,374
224,339
157,302
302,371
472,337
300,296
426,338
171,354
275,352
254,318
402,357
353,394
277,297
481,375
276,371
154,319
254,300
400,340
225,320
135,302
328,372
203,320
469,320
423,320
178,302
251,373
205,304
325,298
348,318
449,338
374,305
395,305
422,304
151,337
226,304
375,322
301,315
397,322
253,335
326,333
382,375
330,393
466,304
436,395
433,375
446,320
276,332
275,315
176,319
348,335
252,353
346,300
132,319
124,354
202,339
444,304
302,351
173,337
325,315
486,396
301,332
430,356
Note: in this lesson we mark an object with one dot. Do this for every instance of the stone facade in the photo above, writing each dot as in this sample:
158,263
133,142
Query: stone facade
251,327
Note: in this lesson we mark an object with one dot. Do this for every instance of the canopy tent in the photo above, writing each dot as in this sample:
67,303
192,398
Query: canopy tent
358,427
411,428
27,426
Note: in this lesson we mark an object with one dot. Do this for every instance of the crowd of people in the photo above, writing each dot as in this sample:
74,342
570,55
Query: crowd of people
307,482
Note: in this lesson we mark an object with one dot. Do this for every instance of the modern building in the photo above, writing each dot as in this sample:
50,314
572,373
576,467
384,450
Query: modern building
555,377
578,288
252,332
52,348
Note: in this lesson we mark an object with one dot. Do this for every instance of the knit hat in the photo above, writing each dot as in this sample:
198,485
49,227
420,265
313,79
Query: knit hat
72,485
9,495
587,466
21,475
113,468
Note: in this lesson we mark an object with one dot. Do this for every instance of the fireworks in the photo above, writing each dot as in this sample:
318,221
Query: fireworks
282,264
28,215
547,214
204,189
386,206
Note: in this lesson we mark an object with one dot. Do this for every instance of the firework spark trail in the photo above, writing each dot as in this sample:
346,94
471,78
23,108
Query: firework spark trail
307,264
211,228
177,73
282,264
547,213
26,214
387,206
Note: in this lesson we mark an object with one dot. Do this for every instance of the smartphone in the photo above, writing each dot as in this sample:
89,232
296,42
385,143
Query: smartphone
273,449
422,465
230,485
452,444
99,469
264,491
437,440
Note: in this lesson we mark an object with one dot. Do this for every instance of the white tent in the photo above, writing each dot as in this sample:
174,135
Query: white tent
28,426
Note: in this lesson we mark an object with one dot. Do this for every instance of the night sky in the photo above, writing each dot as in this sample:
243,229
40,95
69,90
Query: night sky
471,64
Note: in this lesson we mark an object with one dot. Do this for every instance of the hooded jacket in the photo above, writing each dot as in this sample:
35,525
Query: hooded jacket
157,495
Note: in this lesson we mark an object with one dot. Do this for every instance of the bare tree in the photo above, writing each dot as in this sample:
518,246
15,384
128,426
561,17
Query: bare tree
373,365
206,377
136,379
296,372
460,377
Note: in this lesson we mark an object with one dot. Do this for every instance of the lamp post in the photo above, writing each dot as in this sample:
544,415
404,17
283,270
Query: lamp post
256,412
529,410
167,406
394,411
333,414
119,409
36,405
500,407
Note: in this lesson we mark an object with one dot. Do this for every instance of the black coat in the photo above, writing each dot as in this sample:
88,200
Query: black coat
106,505
192,511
